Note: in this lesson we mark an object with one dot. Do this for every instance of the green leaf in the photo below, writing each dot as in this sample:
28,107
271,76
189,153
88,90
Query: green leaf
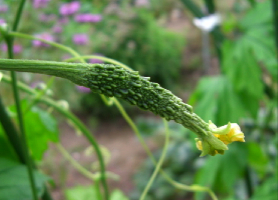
221,172
260,14
6,150
216,100
118,195
242,68
81,193
16,182
257,158
40,128
268,190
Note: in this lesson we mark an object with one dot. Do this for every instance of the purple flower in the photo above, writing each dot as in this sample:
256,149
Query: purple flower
16,48
69,8
83,89
40,3
2,21
3,8
45,36
82,18
57,29
80,39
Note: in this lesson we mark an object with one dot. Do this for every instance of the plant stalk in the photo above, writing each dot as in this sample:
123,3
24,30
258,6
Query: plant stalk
12,133
275,21
159,163
9,42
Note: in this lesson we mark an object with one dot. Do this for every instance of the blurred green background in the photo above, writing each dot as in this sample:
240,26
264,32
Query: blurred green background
227,74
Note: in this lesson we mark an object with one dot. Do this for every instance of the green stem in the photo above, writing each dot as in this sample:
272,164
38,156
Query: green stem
133,126
108,102
40,94
105,59
12,133
75,164
193,8
72,118
160,162
210,6
74,53
194,188
97,187
216,33
18,15
275,20
80,168
9,42
57,45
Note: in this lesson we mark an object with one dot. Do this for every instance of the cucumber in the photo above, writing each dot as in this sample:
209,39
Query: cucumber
112,80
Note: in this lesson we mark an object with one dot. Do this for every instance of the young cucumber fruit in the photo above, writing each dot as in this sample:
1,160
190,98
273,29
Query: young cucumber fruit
112,80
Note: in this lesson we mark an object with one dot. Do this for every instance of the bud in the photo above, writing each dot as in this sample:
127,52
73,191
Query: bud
216,142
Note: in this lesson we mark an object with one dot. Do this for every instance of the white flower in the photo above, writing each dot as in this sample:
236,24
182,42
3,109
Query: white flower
207,23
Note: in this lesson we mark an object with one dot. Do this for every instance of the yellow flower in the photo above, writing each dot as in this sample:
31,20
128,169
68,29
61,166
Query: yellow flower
216,141
211,145
233,135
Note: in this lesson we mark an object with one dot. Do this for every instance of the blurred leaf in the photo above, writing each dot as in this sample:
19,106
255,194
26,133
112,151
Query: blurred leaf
241,67
81,193
257,158
6,150
118,195
221,172
261,42
40,128
216,100
245,56
16,185
243,70
259,14
268,190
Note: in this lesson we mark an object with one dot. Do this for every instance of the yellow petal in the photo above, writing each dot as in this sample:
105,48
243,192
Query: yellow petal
234,135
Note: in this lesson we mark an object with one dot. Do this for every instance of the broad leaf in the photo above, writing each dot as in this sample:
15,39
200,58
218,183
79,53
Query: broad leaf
260,14
244,72
40,128
6,150
242,68
268,190
216,100
257,158
14,181
221,172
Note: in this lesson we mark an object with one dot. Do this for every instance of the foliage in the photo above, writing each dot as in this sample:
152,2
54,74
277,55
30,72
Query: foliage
16,184
88,192
148,48
41,128
180,162
244,92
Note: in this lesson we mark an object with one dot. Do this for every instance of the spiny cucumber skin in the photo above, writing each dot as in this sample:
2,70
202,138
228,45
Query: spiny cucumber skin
112,80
